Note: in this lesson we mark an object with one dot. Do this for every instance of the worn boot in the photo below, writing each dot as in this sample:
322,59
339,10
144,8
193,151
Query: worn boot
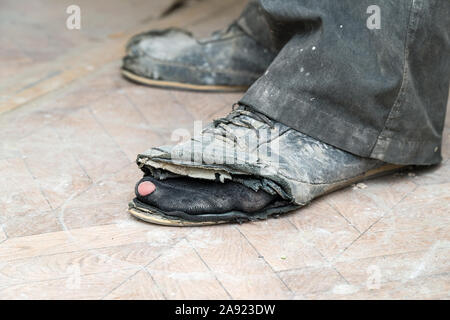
230,60
242,167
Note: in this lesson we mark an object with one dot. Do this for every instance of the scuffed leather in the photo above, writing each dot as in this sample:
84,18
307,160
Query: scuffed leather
230,57
297,167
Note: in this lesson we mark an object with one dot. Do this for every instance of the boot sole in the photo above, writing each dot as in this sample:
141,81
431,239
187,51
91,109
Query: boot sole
152,215
179,85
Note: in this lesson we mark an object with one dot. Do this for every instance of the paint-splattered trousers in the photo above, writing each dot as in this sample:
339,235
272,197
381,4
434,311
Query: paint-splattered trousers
370,77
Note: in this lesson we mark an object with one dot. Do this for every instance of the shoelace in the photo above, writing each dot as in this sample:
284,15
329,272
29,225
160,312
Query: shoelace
237,117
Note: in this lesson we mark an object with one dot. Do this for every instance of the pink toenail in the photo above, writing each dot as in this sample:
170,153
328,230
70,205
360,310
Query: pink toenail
145,188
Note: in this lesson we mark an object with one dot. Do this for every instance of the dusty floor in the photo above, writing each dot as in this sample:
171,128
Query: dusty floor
70,130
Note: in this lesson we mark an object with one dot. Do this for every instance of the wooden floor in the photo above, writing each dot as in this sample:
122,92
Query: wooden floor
70,131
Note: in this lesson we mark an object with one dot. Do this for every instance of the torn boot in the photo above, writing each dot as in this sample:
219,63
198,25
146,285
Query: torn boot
246,148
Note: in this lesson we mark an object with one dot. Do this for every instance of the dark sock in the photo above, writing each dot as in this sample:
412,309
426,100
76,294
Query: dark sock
197,196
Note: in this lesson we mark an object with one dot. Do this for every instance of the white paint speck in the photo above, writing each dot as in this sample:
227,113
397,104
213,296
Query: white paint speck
314,48
360,186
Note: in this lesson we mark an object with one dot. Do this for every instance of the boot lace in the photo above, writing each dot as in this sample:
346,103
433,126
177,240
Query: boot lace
238,117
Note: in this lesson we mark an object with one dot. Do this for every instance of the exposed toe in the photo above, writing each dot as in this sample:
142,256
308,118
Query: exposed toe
145,188
196,196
